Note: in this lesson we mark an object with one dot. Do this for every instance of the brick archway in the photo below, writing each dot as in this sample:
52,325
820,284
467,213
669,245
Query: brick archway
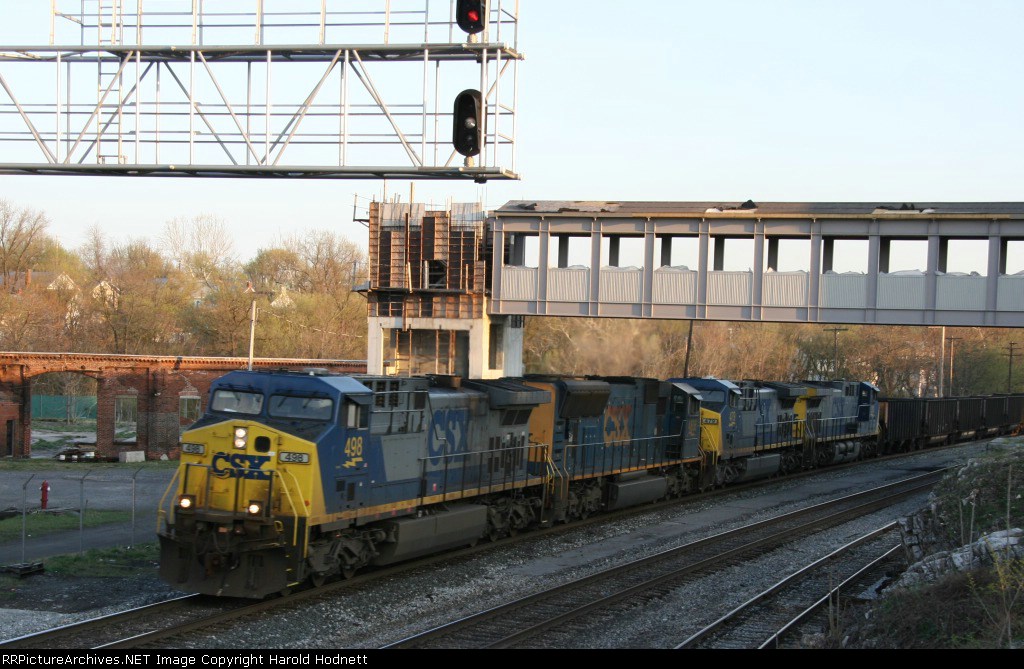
158,382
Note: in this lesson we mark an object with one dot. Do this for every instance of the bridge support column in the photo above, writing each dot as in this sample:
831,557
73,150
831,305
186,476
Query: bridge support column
106,400
160,415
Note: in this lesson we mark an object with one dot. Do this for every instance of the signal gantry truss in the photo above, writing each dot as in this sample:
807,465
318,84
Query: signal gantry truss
259,88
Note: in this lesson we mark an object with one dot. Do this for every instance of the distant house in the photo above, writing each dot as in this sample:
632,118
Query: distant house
283,299
107,293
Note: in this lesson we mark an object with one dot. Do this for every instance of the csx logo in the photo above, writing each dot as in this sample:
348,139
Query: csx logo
240,466
616,424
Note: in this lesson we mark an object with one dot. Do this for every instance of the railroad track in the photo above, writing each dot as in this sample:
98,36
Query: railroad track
779,613
158,622
99,630
552,617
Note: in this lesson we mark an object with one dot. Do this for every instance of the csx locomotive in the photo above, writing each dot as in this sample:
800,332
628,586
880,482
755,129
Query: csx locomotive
293,477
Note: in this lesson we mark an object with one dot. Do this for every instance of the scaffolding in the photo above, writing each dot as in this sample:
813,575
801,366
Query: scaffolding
427,264
260,88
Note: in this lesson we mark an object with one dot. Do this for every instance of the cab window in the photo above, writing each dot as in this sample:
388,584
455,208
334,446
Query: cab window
236,401
355,414
303,408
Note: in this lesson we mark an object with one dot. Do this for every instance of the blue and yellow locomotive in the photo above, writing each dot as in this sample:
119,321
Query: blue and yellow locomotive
291,477
753,429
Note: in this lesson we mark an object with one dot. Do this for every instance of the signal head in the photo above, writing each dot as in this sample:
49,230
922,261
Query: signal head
468,123
471,15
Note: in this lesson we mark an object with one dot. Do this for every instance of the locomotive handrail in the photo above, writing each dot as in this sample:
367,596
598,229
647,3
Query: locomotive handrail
295,514
445,459
764,430
645,457
163,514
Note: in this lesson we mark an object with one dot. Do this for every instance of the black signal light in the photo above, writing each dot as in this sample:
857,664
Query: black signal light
471,15
468,126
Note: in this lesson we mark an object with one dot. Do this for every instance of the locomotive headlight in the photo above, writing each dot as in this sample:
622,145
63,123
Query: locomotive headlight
240,434
255,508
187,502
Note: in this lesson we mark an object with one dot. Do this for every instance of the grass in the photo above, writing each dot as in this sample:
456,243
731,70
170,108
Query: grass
37,524
106,562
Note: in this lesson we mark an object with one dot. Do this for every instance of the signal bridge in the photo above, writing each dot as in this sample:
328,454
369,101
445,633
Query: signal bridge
325,89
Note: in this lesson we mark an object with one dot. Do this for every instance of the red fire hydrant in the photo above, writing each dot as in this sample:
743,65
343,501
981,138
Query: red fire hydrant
44,494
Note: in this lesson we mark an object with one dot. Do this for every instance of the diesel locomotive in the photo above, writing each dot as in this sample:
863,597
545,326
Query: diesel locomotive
296,477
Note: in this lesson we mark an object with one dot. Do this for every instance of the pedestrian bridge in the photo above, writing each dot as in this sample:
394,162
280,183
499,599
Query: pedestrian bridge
623,259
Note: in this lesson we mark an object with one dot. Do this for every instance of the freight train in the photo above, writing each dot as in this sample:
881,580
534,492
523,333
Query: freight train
297,477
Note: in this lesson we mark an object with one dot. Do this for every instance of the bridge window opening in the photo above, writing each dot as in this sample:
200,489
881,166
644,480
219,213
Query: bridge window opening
903,255
732,254
496,346
67,398
966,256
569,251
677,251
188,410
788,254
429,352
622,251
126,417
522,250
844,254
1011,260
437,274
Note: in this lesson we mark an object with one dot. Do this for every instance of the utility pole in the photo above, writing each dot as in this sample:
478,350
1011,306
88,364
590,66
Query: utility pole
249,288
686,362
1009,369
835,348
942,358
951,340
252,323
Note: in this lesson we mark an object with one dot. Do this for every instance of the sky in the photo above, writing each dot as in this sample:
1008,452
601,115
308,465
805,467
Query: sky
785,100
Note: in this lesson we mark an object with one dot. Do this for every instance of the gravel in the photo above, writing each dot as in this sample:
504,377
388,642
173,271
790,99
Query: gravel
394,608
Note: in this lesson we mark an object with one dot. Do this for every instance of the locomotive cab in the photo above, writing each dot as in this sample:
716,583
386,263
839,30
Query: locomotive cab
683,420
247,484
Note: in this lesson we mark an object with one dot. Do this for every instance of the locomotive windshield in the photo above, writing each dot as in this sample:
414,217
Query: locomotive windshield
303,408
713,396
237,401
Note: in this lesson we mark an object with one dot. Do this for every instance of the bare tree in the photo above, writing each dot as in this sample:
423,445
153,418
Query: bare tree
199,246
22,233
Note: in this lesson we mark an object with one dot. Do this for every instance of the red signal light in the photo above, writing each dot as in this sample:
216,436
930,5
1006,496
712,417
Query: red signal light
471,15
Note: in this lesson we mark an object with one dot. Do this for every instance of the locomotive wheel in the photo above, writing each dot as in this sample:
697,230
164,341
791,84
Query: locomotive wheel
317,579
348,573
